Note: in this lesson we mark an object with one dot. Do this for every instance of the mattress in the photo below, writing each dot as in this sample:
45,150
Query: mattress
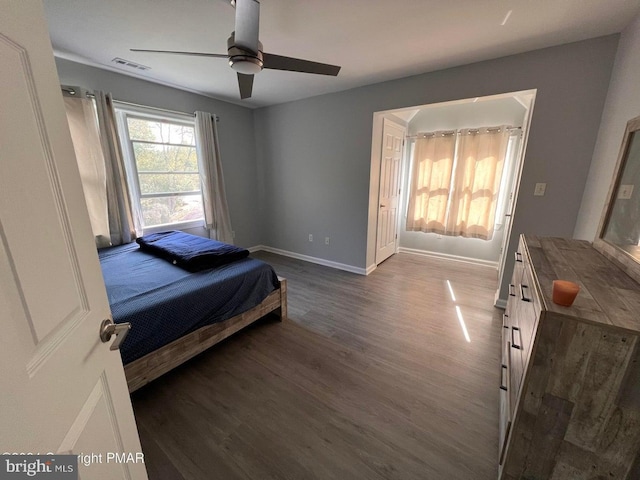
163,302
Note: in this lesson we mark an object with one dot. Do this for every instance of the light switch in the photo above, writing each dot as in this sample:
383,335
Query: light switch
540,189
625,192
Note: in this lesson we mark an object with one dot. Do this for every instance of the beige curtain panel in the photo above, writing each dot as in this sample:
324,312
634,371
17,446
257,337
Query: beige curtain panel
81,116
430,182
455,182
97,148
214,197
124,224
476,182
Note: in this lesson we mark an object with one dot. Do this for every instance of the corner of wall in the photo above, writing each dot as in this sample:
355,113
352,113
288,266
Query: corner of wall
622,103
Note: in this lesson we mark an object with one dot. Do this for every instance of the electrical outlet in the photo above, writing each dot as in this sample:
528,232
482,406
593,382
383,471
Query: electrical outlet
326,240
540,189
625,192
310,237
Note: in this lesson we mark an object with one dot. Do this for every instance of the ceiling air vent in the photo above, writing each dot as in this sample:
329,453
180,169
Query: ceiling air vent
121,62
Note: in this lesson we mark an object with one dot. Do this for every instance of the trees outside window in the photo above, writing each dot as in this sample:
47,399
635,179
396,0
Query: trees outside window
163,168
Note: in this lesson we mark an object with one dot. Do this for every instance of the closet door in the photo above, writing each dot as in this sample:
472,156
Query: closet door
389,196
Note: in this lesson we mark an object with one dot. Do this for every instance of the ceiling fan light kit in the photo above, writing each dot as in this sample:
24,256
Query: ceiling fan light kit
245,54
243,61
246,65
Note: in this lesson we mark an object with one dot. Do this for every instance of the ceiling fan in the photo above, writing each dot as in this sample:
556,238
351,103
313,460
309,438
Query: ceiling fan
244,51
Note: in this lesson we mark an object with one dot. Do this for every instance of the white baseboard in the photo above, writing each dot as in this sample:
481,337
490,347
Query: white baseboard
307,258
371,268
446,256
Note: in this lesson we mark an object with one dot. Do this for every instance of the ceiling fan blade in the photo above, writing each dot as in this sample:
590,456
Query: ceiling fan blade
278,62
245,82
247,25
195,54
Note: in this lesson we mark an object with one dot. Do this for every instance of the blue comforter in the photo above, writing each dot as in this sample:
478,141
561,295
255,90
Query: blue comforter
163,302
190,252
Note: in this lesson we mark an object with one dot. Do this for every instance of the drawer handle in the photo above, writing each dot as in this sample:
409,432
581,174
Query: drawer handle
513,340
502,384
518,257
522,296
512,290
505,322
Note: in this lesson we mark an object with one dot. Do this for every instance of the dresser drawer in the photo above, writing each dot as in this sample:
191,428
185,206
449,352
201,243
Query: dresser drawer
518,267
516,365
505,387
529,311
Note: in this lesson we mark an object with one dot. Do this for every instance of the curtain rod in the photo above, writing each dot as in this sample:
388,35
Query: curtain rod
131,104
457,132
72,91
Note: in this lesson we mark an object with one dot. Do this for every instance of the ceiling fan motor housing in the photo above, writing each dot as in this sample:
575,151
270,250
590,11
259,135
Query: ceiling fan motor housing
244,61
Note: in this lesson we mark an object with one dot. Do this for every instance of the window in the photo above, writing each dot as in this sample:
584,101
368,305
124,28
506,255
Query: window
160,152
456,180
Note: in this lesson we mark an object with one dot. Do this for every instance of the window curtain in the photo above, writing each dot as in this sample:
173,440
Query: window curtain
214,197
100,162
123,222
81,117
430,182
476,182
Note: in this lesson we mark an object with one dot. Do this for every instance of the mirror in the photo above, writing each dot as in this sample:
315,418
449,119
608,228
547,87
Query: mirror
619,232
623,226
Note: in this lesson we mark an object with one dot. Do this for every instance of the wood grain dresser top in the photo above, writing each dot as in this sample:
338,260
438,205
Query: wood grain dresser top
607,295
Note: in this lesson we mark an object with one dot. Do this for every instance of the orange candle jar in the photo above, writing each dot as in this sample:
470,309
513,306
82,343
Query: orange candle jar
565,292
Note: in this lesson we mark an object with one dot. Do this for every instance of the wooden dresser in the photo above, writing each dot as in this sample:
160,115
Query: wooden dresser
570,383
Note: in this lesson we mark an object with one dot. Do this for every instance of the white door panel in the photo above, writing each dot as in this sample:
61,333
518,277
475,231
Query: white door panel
63,390
389,197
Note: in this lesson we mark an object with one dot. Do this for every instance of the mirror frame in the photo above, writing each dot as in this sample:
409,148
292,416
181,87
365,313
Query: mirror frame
623,259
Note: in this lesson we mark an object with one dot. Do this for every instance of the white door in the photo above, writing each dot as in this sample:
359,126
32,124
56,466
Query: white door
389,197
514,187
63,391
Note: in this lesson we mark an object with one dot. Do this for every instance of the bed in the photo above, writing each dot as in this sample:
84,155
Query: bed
175,313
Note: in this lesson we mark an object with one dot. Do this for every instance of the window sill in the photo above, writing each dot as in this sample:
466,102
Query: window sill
174,226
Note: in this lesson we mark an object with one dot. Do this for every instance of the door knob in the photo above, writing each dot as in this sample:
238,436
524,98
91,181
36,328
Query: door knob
108,328
382,206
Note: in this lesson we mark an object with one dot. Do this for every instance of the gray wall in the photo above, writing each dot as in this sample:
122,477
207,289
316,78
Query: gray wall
237,139
315,154
303,167
623,104
484,113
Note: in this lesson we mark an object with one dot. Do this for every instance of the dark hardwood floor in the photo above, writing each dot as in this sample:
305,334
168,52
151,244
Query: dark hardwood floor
369,378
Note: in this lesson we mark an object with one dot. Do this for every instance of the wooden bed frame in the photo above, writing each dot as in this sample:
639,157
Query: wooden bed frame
154,364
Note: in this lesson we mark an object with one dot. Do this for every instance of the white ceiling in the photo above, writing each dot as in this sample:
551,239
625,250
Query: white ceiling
373,40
